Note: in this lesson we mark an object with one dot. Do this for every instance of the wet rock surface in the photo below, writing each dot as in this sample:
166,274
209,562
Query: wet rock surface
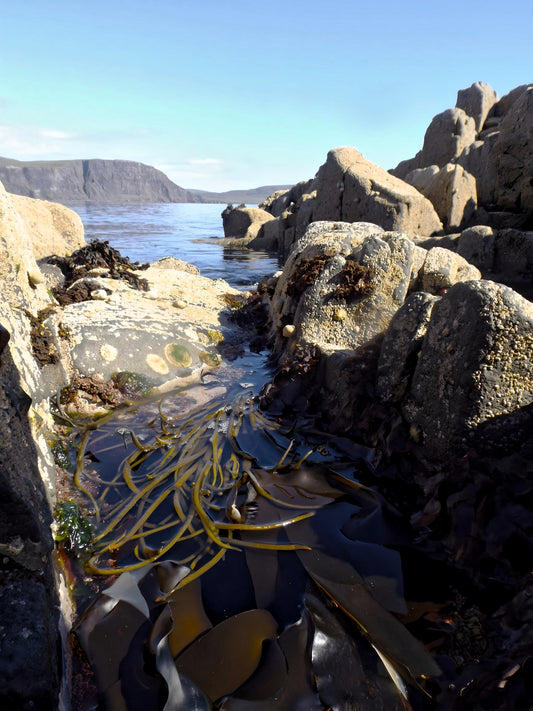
461,476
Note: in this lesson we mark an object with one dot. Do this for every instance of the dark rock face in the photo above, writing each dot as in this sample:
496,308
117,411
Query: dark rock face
29,631
98,180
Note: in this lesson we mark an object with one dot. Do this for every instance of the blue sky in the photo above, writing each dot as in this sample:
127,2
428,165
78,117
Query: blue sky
230,94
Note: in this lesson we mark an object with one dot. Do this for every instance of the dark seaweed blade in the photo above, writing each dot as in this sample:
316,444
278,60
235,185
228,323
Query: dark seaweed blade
298,692
226,656
381,628
356,683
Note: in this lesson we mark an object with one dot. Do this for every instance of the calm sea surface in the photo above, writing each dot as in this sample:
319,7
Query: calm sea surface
149,231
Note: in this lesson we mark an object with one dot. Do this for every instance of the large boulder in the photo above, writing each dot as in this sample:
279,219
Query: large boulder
502,160
447,136
343,282
472,384
451,190
22,281
352,189
53,228
477,101
244,222
512,158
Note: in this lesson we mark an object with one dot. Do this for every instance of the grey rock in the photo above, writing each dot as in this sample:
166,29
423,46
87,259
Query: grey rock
401,346
443,268
29,663
474,372
352,189
244,222
513,254
451,190
504,105
476,245
477,101
447,136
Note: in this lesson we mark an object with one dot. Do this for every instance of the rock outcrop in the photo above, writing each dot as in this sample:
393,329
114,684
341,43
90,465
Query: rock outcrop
53,228
352,189
22,281
452,350
493,141
451,190
244,222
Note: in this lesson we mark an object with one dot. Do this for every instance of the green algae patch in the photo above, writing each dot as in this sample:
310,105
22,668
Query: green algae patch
215,336
71,528
211,359
178,355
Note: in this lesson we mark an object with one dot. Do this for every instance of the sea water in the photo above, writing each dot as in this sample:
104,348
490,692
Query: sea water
193,232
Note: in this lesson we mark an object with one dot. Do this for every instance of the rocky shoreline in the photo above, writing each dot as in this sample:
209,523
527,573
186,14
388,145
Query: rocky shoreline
401,325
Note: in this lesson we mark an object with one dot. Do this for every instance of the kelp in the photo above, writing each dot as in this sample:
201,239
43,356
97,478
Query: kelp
248,563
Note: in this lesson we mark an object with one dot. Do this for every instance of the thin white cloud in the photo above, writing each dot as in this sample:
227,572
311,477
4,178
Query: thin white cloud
193,172
204,161
30,141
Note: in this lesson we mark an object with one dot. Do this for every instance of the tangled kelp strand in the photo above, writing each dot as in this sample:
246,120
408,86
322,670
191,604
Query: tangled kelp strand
182,493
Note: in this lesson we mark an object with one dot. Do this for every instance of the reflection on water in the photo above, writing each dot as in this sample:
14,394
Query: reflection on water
145,232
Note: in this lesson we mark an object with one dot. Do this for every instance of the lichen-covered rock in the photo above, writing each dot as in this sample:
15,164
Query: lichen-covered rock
129,330
52,228
401,345
352,189
443,268
476,245
341,285
473,380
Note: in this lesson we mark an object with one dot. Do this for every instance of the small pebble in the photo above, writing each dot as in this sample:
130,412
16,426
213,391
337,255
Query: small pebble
288,330
35,277
99,294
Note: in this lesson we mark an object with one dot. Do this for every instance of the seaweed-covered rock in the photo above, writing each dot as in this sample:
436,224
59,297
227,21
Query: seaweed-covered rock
343,282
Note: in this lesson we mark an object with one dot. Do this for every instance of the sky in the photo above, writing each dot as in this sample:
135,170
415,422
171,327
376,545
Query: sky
225,95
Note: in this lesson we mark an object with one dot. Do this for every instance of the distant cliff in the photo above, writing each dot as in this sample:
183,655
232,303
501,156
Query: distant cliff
99,180
107,181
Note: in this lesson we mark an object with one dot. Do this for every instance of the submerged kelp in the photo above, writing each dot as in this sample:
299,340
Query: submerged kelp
250,559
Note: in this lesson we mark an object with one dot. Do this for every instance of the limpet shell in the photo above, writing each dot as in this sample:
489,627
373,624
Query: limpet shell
157,364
